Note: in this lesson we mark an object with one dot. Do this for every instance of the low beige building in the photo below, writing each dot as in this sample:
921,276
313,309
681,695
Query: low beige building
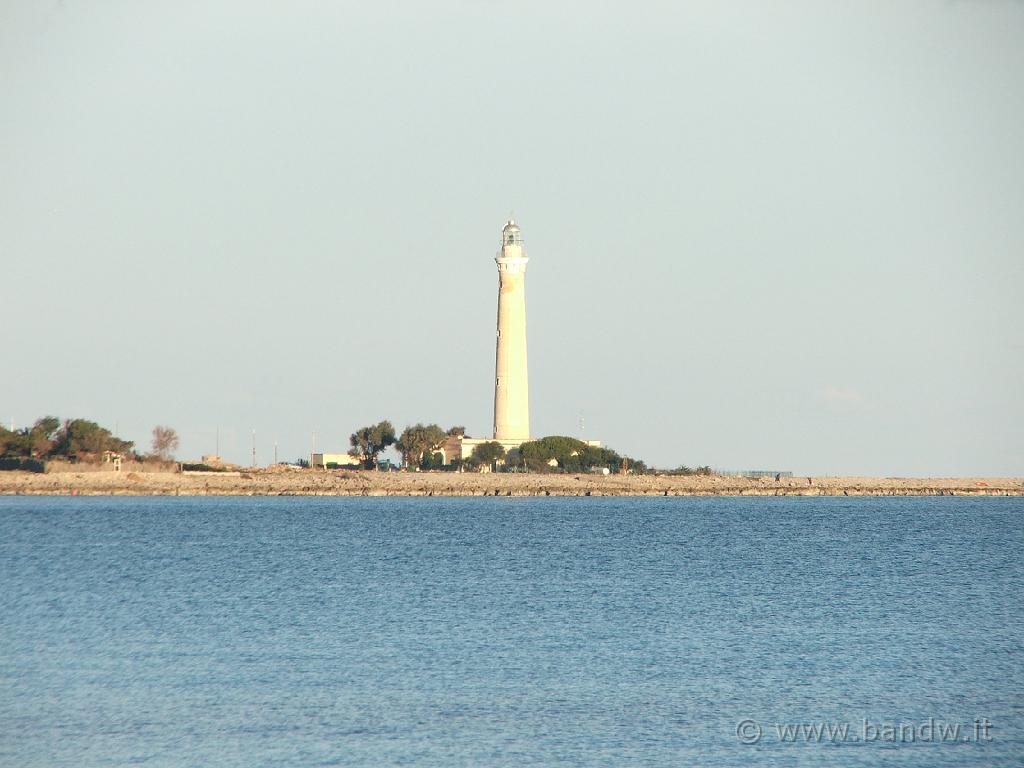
321,460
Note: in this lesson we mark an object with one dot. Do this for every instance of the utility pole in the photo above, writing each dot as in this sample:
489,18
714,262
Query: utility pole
254,449
312,449
275,451
216,446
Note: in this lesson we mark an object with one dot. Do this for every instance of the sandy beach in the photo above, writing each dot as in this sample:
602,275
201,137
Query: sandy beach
284,482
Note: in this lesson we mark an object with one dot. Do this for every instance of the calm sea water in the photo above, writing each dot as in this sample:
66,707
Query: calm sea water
497,631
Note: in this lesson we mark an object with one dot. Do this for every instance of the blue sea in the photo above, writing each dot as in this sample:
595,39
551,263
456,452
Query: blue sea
511,632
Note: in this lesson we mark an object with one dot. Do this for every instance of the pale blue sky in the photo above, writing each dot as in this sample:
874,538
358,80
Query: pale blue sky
782,235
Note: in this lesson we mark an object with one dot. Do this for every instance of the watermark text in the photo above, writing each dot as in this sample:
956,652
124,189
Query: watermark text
930,731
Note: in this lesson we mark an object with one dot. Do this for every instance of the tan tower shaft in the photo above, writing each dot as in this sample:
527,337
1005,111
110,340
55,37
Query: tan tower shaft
511,380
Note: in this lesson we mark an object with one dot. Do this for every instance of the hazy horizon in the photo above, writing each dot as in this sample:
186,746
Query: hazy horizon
785,236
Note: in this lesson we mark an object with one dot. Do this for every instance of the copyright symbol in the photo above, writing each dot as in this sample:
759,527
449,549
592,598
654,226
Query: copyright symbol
748,732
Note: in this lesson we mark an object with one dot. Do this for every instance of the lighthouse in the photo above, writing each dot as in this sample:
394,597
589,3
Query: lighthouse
511,381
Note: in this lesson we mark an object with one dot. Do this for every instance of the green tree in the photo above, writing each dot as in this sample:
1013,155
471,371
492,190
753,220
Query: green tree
433,460
487,453
368,442
563,451
81,438
459,431
46,438
593,456
36,440
8,442
418,441
42,434
559,453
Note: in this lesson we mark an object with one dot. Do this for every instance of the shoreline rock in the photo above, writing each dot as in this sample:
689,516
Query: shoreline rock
448,484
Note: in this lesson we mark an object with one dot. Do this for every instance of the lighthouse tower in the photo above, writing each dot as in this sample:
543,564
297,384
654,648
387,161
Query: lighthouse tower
511,383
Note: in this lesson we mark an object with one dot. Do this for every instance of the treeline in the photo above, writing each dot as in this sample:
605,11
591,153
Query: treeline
51,438
79,440
567,454
685,470
420,444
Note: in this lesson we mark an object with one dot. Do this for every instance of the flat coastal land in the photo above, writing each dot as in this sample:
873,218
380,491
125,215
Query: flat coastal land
288,482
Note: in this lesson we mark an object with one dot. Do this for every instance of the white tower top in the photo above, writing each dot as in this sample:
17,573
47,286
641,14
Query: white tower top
510,234
511,257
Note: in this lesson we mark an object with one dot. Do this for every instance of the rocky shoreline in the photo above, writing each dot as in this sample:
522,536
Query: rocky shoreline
275,482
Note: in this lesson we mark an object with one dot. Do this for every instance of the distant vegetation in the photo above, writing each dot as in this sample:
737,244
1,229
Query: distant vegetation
165,443
75,440
486,454
419,445
79,440
685,470
419,442
200,467
567,454
368,442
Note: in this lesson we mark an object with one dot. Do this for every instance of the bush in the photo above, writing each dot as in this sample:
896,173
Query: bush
685,470
15,464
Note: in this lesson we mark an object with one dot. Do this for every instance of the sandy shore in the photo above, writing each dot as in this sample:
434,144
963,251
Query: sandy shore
347,483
